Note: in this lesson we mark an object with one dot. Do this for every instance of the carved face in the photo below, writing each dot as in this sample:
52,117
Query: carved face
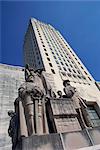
59,93
11,113
67,83
31,78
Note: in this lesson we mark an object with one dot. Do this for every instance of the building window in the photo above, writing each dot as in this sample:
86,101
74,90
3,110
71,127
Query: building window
91,114
89,78
79,77
45,49
48,59
53,71
64,59
64,69
85,72
81,66
54,57
74,71
71,65
69,69
38,57
74,75
50,65
46,54
62,63
78,71
94,117
66,64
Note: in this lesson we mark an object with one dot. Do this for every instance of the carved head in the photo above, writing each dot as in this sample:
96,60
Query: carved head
30,78
66,83
11,113
59,93
27,66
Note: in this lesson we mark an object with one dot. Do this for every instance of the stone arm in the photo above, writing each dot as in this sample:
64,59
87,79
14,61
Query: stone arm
27,73
10,130
12,126
65,91
22,90
82,103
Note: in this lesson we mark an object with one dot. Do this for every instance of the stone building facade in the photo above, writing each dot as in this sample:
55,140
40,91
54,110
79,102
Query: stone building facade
10,79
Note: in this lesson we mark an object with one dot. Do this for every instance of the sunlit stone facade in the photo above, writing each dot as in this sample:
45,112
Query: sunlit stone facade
10,79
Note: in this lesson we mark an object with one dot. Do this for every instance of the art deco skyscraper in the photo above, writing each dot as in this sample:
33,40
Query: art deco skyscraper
45,48
47,121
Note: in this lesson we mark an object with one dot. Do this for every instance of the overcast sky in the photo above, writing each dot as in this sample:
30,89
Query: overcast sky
78,21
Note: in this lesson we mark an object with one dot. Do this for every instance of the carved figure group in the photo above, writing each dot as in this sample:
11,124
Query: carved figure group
30,91
68,90
33,97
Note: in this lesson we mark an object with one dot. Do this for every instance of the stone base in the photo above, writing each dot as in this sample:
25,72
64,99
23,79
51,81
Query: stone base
65,141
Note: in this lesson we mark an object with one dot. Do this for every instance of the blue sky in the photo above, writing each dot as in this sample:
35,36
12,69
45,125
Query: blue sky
78,21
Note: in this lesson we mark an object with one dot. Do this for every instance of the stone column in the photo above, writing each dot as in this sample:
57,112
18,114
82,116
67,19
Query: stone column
28,105
36,115
40,124
22,121
45,126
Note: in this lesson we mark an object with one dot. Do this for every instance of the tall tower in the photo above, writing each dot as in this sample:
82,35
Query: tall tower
45,48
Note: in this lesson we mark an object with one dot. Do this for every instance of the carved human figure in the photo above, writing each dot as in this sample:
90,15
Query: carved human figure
59,94
71,92
68,89
31,90
13,128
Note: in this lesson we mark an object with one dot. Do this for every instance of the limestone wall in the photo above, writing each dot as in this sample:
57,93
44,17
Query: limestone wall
10,79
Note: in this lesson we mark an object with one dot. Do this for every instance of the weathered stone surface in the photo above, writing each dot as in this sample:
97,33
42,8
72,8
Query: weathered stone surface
42,142
63,141
10,79
75,140
62,115
95,134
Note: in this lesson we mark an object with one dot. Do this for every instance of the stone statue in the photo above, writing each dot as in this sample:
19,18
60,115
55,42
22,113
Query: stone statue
68,89
13,128
32,90
78,102
52,93
60,94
